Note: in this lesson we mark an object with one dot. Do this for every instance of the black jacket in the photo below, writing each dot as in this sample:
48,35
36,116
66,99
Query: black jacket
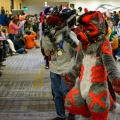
19,44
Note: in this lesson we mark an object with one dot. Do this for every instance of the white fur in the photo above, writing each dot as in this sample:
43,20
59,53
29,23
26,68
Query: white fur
117,109
85,85
84,118
73,36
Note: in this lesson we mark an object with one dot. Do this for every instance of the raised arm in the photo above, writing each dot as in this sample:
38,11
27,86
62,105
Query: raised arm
109,63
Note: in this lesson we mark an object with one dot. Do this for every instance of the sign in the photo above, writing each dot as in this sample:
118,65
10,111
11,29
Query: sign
25,8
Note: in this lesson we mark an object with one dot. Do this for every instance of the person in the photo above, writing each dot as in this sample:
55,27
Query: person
21,23
12,50
20,44
46,58
79,12
62,57
3,38
3,41
30,39
90,97
1,58
2,46
4,20
13,29
109,22
2,10
114,43
118,54
35,22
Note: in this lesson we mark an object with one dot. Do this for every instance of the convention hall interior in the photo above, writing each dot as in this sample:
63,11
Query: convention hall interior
25,84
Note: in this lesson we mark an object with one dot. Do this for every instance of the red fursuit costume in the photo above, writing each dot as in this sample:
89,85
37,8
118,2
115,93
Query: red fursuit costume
90,97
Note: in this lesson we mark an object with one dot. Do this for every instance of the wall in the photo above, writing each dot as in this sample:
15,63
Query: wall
6,4
35,7
93,4
17,4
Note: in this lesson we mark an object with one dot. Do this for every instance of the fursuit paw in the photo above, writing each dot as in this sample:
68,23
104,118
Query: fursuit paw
116,110
116,85
84,118
66,78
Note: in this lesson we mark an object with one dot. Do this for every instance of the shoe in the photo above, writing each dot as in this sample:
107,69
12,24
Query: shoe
71,117
2,65
15,53
3,59
46,67
37,47
58,118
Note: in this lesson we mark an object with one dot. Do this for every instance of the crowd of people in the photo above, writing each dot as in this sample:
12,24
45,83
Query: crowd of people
63,48
18,34
76,43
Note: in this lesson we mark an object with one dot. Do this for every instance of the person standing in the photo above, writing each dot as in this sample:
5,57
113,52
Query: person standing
2,10
13,29
62,59
4,20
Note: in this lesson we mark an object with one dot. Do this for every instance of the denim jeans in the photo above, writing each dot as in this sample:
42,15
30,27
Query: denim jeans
21,50
60,90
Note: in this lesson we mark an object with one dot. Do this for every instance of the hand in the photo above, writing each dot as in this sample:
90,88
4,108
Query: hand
52,38
82,37
68,81
67,78
46,32
116,85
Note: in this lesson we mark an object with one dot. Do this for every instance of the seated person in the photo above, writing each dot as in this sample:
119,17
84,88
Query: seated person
3,41
118,54
20,44
30,40
114,43
12,50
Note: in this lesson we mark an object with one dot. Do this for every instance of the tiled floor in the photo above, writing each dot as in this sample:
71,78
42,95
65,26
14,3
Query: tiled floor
25,89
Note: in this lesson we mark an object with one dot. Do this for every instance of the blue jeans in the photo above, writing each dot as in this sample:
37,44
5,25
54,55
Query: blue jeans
60,89
118,54
21,50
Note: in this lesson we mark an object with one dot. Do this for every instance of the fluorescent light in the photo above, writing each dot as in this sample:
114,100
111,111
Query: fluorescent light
45,4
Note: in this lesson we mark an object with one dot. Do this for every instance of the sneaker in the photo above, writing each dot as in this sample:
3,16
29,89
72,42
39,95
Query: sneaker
58,118
2,65
15,53
71,117
37,47
46,67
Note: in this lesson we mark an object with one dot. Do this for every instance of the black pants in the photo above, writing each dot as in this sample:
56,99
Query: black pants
1,54
4,49
43,53
46,57
115,53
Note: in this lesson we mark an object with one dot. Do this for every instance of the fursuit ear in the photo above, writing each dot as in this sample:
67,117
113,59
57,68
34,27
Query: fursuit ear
85,10
55,10
100,17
